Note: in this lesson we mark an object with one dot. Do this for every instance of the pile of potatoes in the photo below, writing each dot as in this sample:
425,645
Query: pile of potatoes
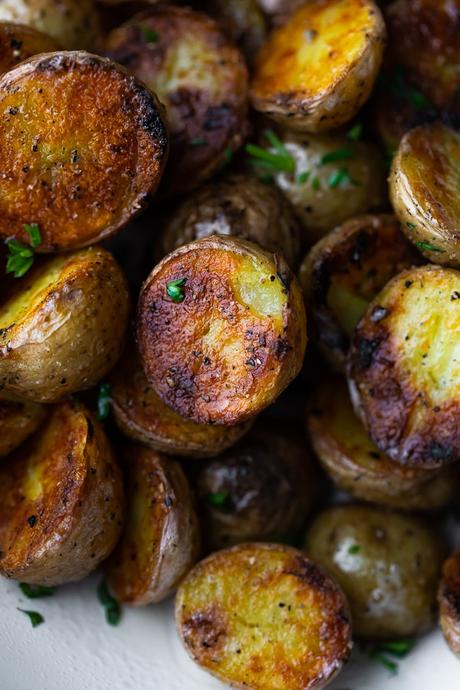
186,192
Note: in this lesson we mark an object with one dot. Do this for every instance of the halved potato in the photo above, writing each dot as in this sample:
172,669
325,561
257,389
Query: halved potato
160,542
199,75
221,329
316,71
82,147
265,617
141,414
344,271
62,326
19,42
405,367
18,419
61,503
449,602
424,191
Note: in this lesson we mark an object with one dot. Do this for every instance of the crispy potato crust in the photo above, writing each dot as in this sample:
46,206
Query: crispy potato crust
62,501
405,367
19,42
316,71
160,542
82,147
263,616
235,338
18,419
449,602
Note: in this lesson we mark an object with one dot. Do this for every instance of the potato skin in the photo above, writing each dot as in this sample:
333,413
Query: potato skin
318,83
82,148
449,602
388,565
234,342
19,42
62,501
404,371
233,601
69,332
18,420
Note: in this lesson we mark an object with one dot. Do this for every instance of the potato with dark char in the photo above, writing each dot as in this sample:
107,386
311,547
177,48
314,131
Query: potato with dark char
344,271
316,71
221,329
141,414
237,205
19,42
62,326
199,75
357,466
264,617
61,504
82,148
18,420
449,602
387,563
160,541
424,189
404,367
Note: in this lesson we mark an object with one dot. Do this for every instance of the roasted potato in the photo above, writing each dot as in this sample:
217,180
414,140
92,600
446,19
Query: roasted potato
237,205
387,563
344,271
449,602
424,191
19,42
405,370
18,420
62,326
186,58
160,541
357,466
264,617
141,414
61,501
82,147
316,71
221,329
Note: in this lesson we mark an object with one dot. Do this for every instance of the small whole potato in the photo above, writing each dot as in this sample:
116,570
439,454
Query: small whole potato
387,564
19,42
18,420
449,602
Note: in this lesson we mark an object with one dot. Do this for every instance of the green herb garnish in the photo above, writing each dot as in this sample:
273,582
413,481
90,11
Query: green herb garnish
198,141
316,184
149,35
21,257
338,155
218,499
385,661
103,402
399,86
175,289
302,177
411,226
340,176
35,617
36,591
354,548
398,648
279,160
428,247
34,233
111,605
355,133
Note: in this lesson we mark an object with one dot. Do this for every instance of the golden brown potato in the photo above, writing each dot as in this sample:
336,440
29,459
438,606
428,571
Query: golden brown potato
221,329
160,542
356,465
18,419
263,616
19,42
187,60
316,71
141,414
424,191
388,565
61,501
405,368
237,205
449,602
82,147
62,326
344,271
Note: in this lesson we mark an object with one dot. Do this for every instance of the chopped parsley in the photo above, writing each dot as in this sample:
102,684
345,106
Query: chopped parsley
198,141
36,591
428,247
316,184
35,617
111,605
411,226
338,155
355,133
103,402
338,177
382,652
354,548
303,177
279,160
21,256
148,34
175,289
34,233
218,499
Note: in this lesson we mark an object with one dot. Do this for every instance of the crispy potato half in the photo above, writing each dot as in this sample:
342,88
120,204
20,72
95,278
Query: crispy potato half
316,71
424,191
61,501
62,326
19,42
405,367
357,466
160,541
186,58
141,414
82,147
449,602
265,617
221,329
18,420
344,271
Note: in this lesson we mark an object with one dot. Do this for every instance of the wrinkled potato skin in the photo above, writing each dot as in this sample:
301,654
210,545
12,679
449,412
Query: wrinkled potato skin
70,333
19,42
233,601
229,348
404,370
320,83
240,206
344,271
424,191
78,512
449,602
199,76
391,582
18,420
82,148
160,542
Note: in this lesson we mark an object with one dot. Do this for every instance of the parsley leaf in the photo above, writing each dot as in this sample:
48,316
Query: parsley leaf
316,184
218,499
103,402
111,605
34,233
338,177
35,617
302,177
36,591
354,548
381,651
20,258
355,133
338,155
279,160
175,289
428,247
148,34
411,226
